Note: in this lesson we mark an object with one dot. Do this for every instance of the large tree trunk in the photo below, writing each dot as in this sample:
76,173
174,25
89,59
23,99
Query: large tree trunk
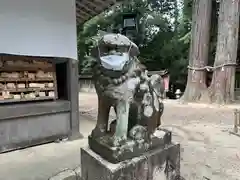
198,55
222,86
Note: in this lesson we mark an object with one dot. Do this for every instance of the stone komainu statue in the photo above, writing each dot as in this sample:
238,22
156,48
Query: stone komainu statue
122,82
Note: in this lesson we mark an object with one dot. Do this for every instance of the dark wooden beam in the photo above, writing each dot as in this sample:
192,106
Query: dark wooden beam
80,17
92,4
105,2
84,14
86,9
81,6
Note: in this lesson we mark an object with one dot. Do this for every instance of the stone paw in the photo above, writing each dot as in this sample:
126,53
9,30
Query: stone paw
118,141
97,132
138,133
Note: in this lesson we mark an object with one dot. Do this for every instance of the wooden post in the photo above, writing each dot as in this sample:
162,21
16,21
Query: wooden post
72,73
236,119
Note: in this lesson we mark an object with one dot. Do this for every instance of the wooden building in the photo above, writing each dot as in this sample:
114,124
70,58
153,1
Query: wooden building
86,83
39,69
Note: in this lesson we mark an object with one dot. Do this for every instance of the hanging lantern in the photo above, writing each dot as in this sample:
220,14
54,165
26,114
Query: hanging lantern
129,21
130,26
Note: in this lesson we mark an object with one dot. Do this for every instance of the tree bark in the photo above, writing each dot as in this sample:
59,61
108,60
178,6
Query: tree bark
222,86
198,55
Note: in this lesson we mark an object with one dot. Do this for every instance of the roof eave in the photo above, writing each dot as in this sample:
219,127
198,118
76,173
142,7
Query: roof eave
87,9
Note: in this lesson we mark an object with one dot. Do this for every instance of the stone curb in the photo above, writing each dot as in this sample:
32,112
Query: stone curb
68,174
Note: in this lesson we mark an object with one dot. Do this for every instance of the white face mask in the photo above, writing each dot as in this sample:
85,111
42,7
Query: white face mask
114,62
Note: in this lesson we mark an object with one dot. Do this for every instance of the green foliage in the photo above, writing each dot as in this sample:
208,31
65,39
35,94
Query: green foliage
163,35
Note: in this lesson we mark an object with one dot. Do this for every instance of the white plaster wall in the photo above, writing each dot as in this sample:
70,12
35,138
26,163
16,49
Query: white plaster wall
38,28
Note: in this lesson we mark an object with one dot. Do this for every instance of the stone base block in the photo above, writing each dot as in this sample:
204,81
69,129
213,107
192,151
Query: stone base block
130,148
158,164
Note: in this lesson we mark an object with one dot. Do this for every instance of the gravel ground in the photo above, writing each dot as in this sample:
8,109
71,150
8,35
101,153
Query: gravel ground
208,150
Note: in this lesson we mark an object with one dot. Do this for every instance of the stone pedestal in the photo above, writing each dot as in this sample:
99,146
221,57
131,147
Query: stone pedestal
158,164
131,148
